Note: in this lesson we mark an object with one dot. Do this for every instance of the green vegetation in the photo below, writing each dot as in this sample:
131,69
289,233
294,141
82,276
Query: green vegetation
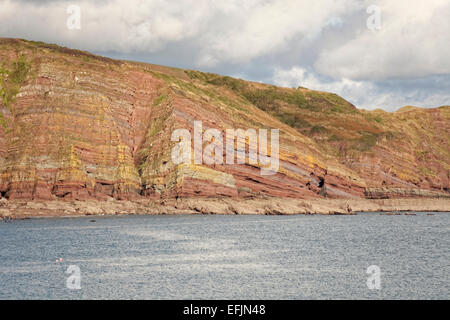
366,142
422,155
291,106
191,87
293,120
184,86
196,75
315,114
11,80
2,121
233,84
155,127
318,130
334,138
269,99
160,100
330,102
378,119
426,171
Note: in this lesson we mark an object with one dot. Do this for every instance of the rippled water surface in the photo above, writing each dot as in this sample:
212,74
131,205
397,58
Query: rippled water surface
227,257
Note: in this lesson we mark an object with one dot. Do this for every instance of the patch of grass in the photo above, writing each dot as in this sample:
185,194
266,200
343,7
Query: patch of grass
422,155
264,99
193,74
191,87
20,70
159,100
231,103
2,121
86,59
156,127
12,78
183,85
378,119
293,120
229,82
318,130
284,104
268,99
367,141
334,138
68,51
329,102
425,171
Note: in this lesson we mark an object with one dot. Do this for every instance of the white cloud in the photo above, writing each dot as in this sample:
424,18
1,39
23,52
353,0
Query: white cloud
115,25
222,31
267,27
414,41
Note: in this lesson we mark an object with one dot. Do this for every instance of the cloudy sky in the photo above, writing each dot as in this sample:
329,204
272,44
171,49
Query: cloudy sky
376,54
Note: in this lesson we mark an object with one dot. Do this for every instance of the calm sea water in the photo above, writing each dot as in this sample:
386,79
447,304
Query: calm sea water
227,257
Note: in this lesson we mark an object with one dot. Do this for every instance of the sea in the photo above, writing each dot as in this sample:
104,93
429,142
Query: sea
364,256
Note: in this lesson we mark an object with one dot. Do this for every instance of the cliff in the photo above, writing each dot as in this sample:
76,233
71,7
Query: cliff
80,127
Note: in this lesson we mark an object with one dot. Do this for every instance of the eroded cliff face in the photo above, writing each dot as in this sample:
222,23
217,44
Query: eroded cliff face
78,126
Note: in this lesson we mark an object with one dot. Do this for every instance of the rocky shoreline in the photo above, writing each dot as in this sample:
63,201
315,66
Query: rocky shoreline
265,206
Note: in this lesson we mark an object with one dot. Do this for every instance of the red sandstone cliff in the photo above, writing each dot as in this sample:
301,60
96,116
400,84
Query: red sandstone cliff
78,126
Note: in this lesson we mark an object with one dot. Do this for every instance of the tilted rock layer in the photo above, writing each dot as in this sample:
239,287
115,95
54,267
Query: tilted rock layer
79,126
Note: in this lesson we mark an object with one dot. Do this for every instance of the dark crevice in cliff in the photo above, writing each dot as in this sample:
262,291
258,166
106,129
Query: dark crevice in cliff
321,182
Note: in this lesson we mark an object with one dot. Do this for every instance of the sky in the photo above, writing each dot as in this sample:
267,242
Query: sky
376,54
